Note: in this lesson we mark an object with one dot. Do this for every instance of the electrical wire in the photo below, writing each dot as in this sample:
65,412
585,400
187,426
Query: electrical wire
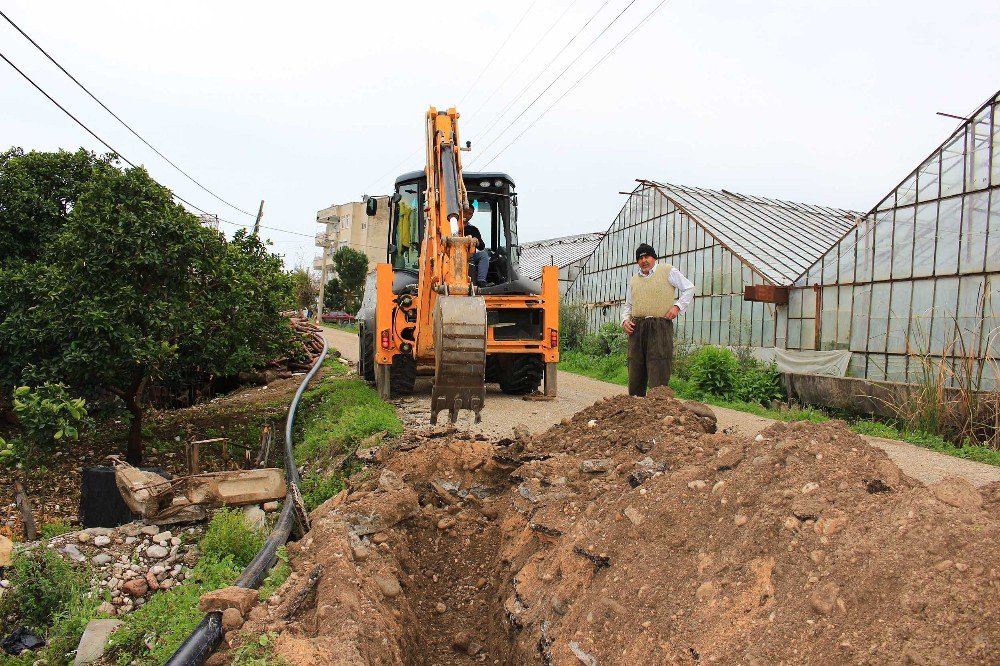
116,117
122,157
576,83
545,34
542,71
499,49
560,75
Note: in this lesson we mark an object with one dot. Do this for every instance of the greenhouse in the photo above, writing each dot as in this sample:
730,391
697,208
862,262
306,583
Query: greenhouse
869,295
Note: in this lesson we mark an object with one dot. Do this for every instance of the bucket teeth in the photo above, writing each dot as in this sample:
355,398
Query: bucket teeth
460,356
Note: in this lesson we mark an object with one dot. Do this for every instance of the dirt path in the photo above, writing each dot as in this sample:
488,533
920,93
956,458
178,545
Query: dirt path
503,413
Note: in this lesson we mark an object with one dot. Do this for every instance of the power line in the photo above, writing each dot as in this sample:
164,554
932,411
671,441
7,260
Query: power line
116,117
122,157
544,68
499,49
577,82
545,34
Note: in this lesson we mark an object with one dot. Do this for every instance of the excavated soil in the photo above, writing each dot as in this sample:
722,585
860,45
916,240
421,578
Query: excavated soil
634,534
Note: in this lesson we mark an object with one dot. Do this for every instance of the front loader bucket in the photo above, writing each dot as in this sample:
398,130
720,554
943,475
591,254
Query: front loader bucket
459,356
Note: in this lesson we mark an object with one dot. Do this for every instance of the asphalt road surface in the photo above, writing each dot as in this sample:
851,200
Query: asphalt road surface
503,414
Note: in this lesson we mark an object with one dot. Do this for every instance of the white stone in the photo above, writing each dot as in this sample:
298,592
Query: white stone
156,552
94,640
102,541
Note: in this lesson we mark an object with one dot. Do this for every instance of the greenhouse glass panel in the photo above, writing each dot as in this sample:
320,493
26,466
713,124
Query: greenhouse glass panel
876,367
996,145
808,303
902,244
895,369
766,329
878,326
969,318
899,317
856,366
780,329
949,228
921,314
952,166
977,168
907,192
993,233
828,322
882,267
943,326
846,256
844,317
928,180
975,219
795,303
808,334
924,234
991,321
794,334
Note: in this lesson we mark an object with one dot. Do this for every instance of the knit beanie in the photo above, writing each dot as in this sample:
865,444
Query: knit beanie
645,248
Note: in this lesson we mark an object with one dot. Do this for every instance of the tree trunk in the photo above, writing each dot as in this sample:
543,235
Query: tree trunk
133,402
24,506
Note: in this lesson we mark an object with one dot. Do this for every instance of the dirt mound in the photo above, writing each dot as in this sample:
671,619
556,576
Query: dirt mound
633,534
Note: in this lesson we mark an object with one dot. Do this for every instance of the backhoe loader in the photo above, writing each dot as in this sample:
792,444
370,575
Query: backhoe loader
422,312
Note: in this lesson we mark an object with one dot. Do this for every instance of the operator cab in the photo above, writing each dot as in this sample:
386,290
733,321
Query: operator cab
494,204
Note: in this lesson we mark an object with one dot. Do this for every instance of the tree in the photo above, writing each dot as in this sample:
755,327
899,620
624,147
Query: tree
351,267
131,289
333,295
304,288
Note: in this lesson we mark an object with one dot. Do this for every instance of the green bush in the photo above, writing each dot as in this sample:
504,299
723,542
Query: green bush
613,337
43,585
572,324
592,345
758,382
714,370
684,350
48,413
229,536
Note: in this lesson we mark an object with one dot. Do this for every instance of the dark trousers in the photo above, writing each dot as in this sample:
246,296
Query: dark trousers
650,354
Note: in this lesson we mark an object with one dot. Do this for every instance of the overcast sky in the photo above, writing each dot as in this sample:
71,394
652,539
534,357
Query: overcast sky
310,104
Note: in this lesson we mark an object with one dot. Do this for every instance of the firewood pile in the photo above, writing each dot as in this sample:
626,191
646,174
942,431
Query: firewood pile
309,344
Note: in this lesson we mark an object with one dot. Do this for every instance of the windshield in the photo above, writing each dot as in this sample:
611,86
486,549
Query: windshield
406,229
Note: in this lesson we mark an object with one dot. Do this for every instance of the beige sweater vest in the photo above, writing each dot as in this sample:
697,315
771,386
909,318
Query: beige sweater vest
652,296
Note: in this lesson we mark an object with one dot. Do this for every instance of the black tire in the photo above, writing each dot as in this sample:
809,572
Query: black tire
520,374
366,356
492,369
403,375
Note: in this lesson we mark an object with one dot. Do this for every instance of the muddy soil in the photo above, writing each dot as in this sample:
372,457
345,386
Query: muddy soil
634,534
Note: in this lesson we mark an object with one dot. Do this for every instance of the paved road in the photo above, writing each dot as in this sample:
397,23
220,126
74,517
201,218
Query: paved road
503,413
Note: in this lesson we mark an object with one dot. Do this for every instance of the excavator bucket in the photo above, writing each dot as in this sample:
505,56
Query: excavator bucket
460,356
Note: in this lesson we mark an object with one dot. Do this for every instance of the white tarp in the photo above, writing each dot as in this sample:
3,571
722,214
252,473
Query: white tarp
833,363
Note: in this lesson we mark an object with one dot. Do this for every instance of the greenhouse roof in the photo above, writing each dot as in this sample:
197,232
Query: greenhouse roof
555,252
778,239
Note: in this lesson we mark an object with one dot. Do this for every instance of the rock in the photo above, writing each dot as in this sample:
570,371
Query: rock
817,556
94,640
106,608
705,415
585,658
152,582
740,520
136,587
697,484
162,537
231,619
101,559
83,537
446,523
156,552
717,488
240,598
830,524
591,423
102,541
705,592
440,608
150,530
360,552
271,507
73,552
596,465
157,569
824,598
6,551
810,487
389,481
957,492
634,516
388,585
254,517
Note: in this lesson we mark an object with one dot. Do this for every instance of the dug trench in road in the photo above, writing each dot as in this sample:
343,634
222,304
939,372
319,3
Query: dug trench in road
506,414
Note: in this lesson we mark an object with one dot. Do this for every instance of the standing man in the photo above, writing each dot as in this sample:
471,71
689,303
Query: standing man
656,296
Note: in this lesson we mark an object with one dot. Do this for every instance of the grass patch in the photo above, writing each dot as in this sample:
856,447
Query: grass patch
55,528
318,488
278,574
611,368
349,328
228,536
968,450
258,652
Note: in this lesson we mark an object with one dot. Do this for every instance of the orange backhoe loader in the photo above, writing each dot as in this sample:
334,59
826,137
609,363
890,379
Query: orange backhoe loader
422,312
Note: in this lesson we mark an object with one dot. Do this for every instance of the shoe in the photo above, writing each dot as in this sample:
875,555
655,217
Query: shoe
482,284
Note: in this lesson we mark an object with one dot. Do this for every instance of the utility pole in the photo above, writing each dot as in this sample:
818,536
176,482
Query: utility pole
260,214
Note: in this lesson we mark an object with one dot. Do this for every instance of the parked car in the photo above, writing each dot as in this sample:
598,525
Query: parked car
338,317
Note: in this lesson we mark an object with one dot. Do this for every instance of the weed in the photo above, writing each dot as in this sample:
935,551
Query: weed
229,536
55,528
572,324
258,652
318,488
758,383
278,574
43,585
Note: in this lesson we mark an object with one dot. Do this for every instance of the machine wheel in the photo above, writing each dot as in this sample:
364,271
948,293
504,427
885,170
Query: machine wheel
492,369
366,356
403,375
520,374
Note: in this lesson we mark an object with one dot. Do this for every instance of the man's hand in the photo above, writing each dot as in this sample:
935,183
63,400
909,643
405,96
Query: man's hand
673,312
628,326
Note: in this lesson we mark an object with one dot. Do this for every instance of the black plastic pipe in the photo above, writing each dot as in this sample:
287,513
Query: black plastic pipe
202,642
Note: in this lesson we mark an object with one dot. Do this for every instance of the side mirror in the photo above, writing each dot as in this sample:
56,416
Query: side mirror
371,206
395,198
391,248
